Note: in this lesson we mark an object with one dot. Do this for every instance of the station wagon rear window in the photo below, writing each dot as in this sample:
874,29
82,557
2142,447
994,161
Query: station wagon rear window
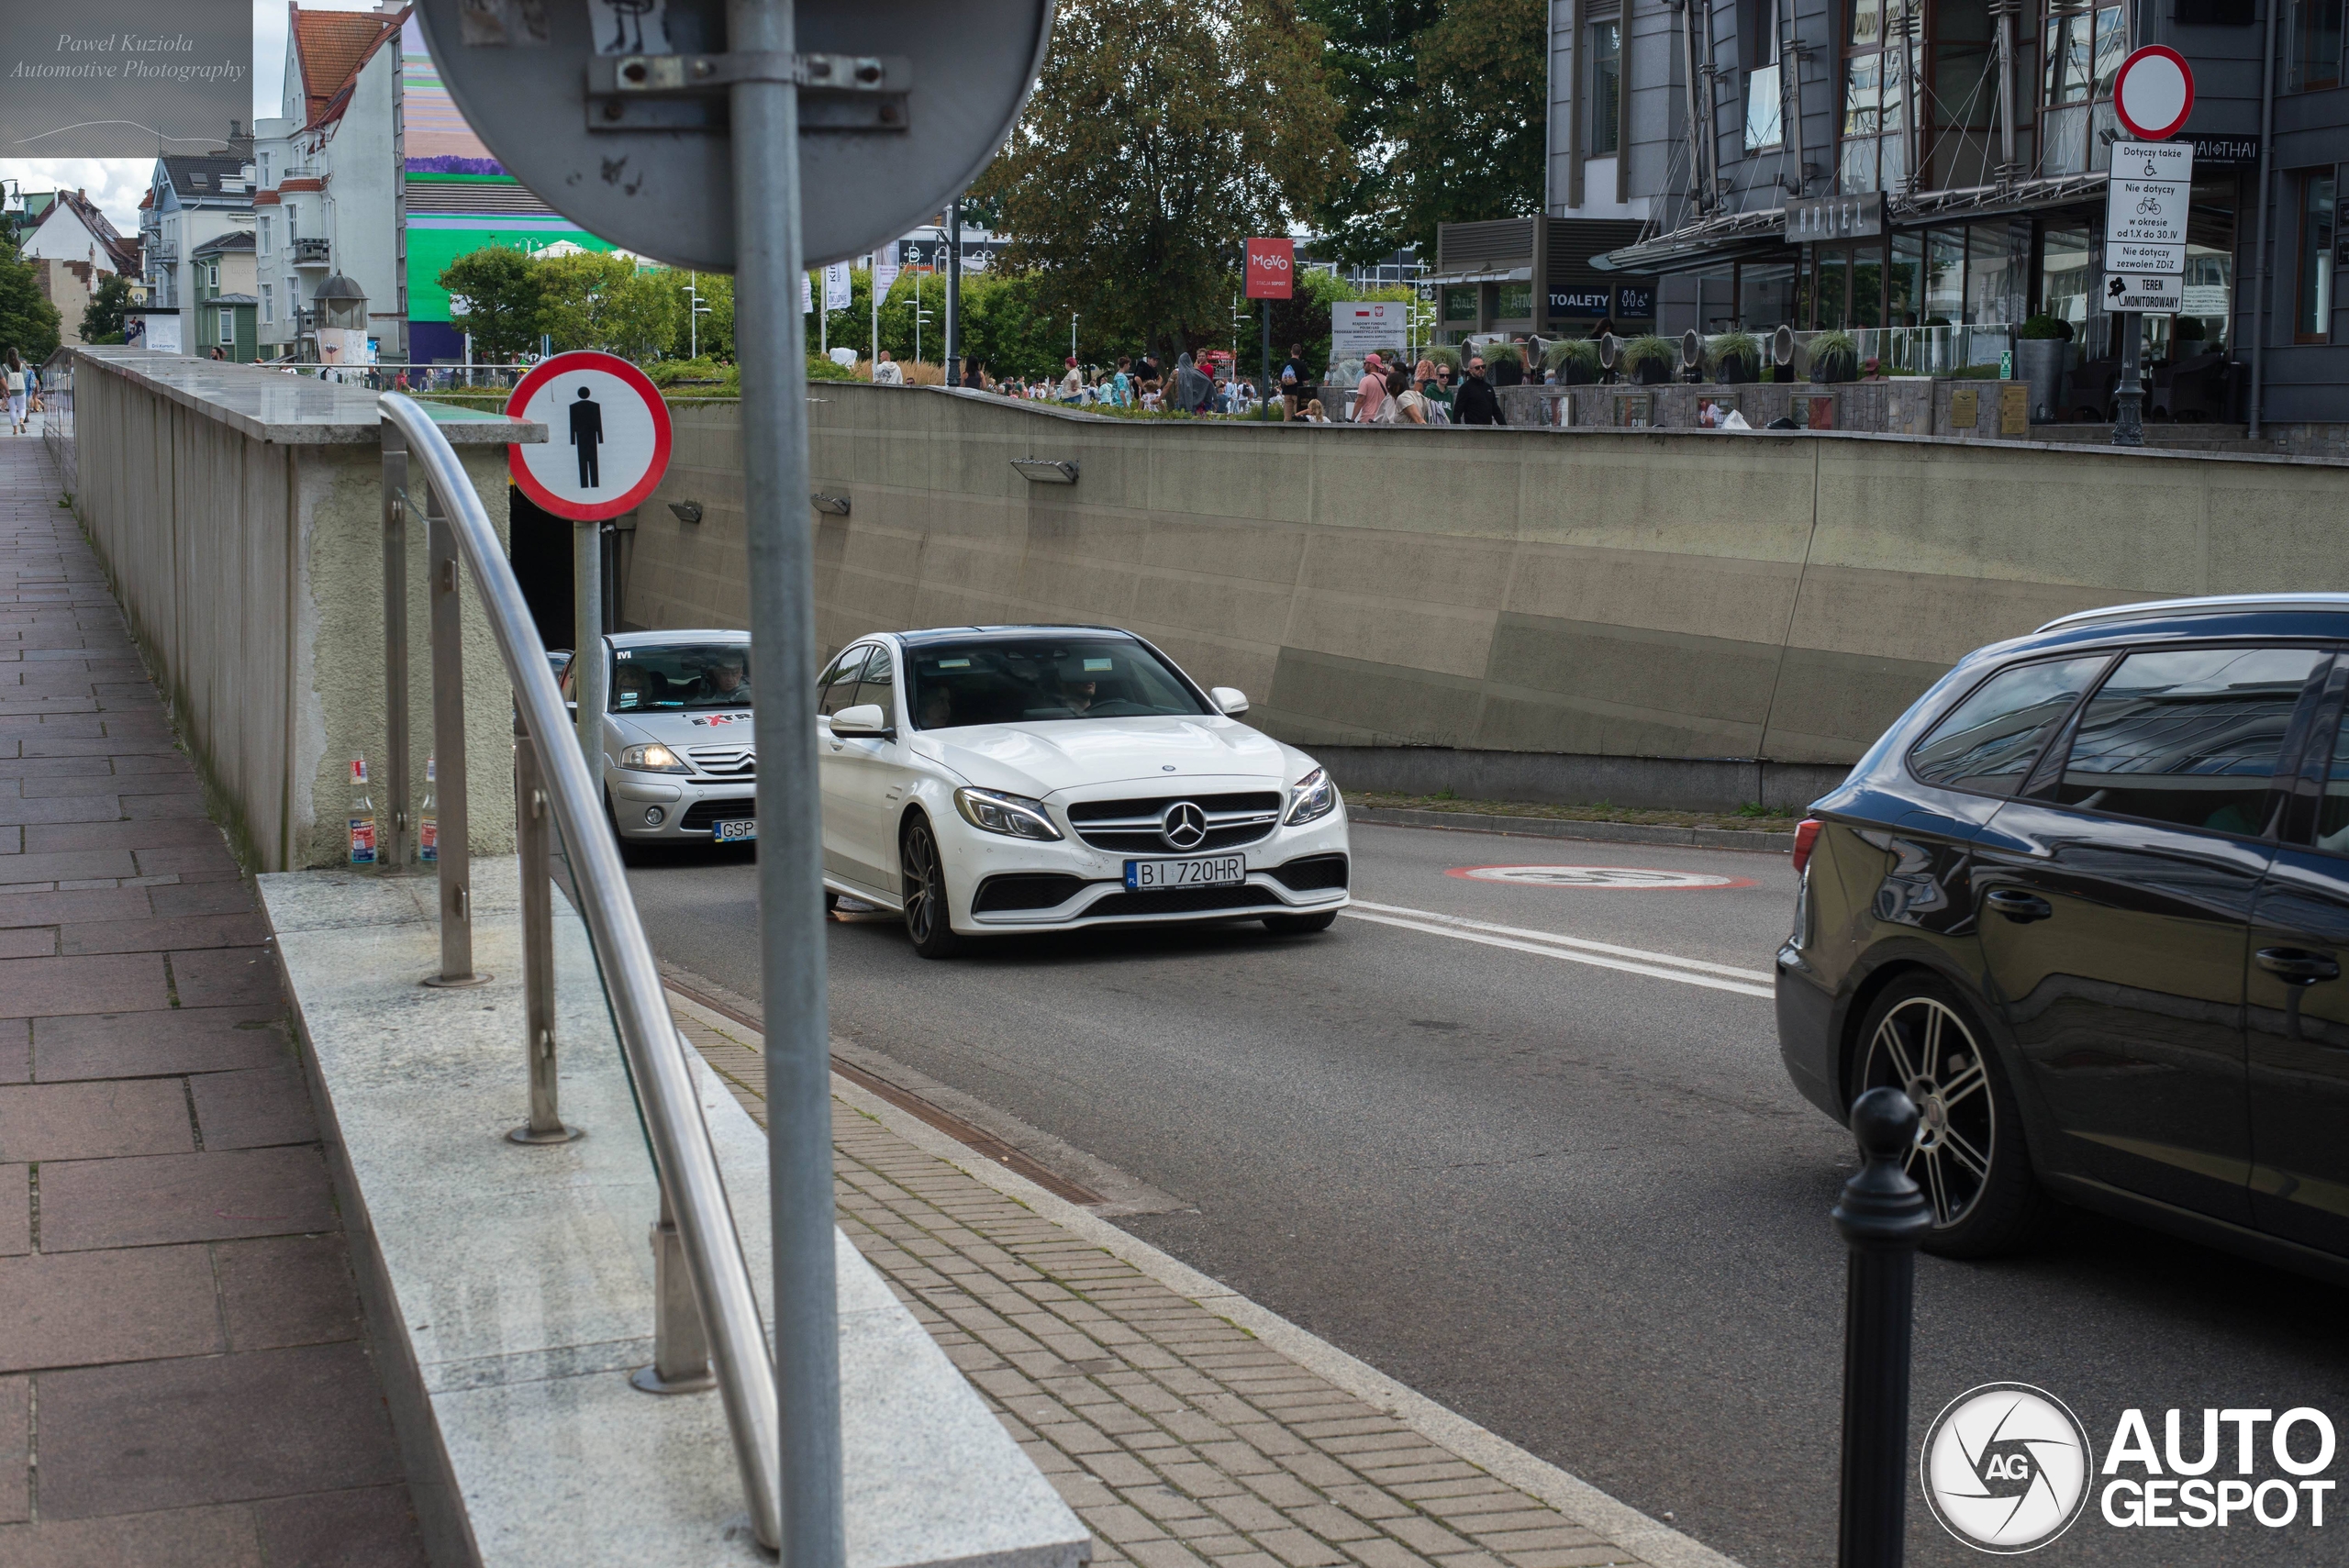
1989,742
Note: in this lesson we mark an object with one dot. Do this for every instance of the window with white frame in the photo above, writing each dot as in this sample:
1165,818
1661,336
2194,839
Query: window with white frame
228,328
1764,104
263,230
269,304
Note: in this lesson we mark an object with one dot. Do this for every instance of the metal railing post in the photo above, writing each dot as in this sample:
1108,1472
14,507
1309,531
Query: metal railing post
532,823
393,853
690,1180
455,852
680,1338
1883,1215
589,679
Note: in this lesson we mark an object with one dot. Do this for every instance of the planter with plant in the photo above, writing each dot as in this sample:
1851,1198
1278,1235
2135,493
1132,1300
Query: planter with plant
1649,359
1736,357
1576,361
2043,355
1834,358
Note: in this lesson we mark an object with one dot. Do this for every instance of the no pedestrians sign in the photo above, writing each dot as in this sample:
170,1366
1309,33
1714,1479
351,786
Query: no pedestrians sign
608,436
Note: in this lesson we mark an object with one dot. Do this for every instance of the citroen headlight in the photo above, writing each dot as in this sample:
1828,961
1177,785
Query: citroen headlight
1015,816
1311,796
653,759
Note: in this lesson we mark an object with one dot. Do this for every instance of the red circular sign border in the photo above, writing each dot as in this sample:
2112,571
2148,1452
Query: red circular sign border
2184,71
611,364
1467,873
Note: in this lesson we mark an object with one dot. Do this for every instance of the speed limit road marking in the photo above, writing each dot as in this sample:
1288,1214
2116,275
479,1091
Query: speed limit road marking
1636,878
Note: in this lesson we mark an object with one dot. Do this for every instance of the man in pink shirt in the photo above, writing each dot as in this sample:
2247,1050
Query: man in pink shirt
1370,397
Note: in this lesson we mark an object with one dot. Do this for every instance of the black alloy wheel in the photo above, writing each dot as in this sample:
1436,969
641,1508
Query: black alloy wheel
1300,925
1921,1037
925,892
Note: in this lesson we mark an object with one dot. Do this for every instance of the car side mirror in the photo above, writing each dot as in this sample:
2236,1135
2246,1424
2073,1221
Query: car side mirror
864,719
1231,699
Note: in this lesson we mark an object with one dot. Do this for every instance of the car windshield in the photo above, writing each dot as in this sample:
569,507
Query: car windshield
1008,679
671,677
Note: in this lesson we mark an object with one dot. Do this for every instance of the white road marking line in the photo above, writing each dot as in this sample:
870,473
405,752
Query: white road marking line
1644,954
1574,950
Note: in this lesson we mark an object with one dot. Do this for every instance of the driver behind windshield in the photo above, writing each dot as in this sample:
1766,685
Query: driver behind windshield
723,685
1009,679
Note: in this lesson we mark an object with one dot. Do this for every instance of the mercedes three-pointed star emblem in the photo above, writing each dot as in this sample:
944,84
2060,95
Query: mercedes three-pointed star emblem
1185,826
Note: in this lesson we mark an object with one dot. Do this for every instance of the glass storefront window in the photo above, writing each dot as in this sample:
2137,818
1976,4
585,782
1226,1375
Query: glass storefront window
1945,277
1765,295
1513,301
1460,304
2312,307
1867,288
2067,276
1833,294
2208,295
1716,301
1903,284
1993,280
2312,45
1606,87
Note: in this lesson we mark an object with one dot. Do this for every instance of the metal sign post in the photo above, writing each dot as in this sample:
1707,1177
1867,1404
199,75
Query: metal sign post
1272,274
2146,199
682,140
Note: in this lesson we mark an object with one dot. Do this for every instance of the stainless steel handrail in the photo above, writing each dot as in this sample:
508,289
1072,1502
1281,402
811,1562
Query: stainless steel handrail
691,1189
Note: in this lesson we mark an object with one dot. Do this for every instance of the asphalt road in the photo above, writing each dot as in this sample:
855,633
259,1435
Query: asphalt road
1564,1190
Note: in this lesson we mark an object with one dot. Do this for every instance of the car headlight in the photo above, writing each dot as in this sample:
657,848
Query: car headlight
1016,815
653,759
1311,796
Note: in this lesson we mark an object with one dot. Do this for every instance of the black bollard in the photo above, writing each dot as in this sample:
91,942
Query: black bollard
1883,1216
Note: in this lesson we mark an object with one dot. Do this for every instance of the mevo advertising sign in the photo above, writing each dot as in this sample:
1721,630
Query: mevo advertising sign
1271,269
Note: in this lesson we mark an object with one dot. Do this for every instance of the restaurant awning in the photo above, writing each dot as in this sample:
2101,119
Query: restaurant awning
1732,235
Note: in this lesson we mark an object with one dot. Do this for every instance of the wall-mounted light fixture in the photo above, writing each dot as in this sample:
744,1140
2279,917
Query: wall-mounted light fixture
836,504
687,511
1046,471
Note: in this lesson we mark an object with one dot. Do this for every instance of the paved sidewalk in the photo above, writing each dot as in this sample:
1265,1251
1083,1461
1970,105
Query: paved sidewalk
181,1376
1186,1426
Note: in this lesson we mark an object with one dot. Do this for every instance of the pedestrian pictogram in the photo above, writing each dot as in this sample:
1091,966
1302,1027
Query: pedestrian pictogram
608,436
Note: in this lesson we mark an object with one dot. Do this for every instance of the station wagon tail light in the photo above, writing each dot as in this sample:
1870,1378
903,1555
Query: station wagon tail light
1806,839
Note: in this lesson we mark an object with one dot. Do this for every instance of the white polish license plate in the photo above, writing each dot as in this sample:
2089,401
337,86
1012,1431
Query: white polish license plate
1205,871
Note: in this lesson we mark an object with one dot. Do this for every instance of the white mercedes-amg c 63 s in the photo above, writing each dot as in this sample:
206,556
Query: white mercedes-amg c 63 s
1045,778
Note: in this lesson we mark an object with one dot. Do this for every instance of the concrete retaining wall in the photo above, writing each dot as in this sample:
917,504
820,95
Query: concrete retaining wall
247,555
1553,594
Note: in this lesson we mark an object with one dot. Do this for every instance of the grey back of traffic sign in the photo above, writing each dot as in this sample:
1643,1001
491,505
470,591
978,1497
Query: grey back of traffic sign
614,112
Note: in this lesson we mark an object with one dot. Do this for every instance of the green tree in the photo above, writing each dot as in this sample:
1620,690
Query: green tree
495,294
102,318
28,322
1372,67
1445,105
1473,141
1160,136
598,300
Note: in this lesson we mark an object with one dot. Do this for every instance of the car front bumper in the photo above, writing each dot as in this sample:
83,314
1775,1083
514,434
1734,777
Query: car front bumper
1292,870
688,804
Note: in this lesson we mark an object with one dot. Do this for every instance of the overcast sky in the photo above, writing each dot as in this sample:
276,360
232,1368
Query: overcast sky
116,184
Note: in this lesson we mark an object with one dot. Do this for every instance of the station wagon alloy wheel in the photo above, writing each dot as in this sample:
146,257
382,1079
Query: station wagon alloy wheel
1920,1046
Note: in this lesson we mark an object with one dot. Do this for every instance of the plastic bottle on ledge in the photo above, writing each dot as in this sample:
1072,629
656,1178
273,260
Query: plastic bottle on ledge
361,816
427,826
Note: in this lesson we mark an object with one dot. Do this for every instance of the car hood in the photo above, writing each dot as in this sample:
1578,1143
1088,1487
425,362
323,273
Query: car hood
1041,757
678,730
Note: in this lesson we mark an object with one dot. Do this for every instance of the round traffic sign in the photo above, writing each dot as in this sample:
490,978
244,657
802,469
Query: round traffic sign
608,436
2154,93
1638,878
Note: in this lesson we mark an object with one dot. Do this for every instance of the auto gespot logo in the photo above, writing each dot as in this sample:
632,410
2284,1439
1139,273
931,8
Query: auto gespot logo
2008,1468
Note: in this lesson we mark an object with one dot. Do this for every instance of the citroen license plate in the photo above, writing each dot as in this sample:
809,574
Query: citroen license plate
741,832
1204,870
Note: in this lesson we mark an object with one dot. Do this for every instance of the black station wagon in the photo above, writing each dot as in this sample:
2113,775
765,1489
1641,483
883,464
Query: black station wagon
2086,903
